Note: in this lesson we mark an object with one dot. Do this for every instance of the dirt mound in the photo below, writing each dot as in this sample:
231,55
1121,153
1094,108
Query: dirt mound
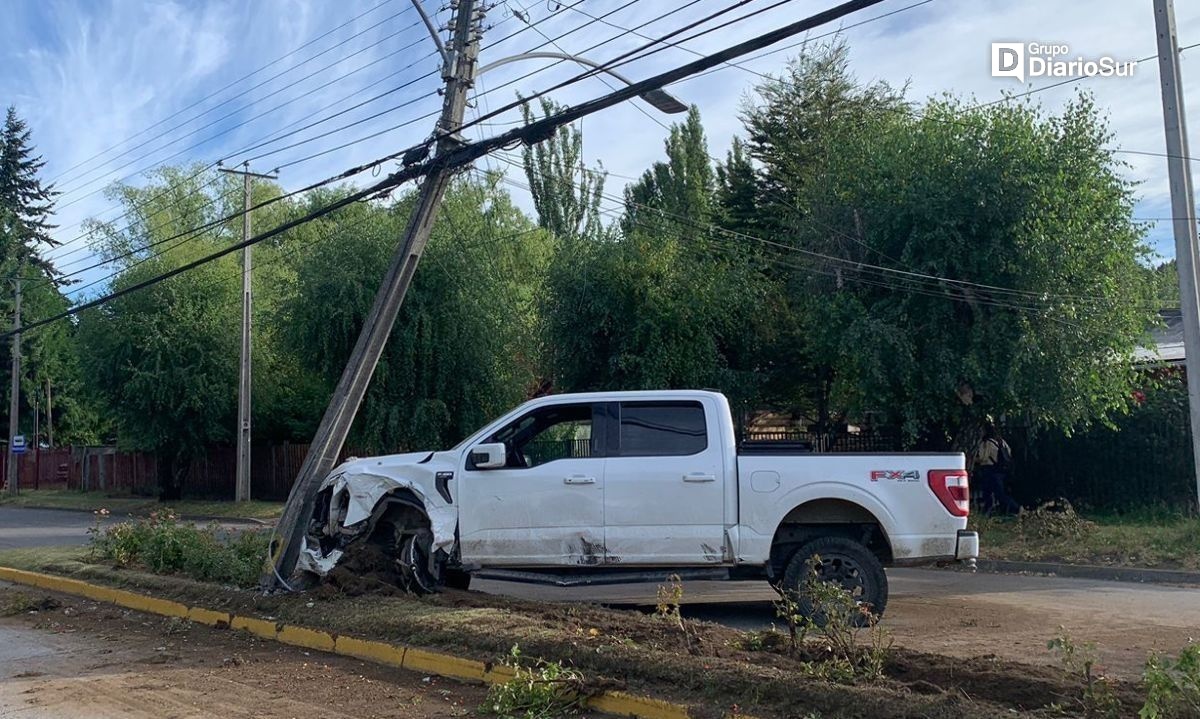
365,569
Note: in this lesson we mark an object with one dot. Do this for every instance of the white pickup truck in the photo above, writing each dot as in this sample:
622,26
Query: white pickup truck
628,486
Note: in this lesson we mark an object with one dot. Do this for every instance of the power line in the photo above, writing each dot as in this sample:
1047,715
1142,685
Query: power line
477,96
776,256
223,89
807,40
461,156
263,142
366,194
615,62
853,265
367,137
218,120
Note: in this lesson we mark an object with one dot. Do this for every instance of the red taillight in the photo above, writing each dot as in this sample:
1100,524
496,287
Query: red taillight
951,487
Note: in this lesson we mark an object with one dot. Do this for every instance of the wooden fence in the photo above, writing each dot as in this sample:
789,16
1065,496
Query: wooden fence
105,469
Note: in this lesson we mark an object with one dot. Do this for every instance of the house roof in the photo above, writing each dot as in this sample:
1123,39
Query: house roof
1168,341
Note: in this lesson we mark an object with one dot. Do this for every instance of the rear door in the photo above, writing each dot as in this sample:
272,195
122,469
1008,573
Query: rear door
664,489
546,507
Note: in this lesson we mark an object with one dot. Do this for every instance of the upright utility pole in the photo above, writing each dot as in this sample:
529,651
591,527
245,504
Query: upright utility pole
14,406
49,417
458,72
241,492
1183,212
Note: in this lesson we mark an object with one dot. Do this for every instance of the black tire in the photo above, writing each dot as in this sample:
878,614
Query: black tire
844,562
456,579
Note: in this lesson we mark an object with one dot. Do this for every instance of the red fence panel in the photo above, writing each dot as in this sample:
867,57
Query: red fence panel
273,469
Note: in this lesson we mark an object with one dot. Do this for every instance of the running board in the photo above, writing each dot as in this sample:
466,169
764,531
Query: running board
583,579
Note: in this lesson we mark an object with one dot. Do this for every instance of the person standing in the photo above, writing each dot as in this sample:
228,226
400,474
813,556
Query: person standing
993,460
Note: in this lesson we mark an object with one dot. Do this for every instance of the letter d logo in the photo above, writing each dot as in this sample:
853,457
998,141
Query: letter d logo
1008,60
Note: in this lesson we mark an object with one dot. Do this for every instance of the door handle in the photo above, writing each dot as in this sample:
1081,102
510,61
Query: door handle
699,477
579,479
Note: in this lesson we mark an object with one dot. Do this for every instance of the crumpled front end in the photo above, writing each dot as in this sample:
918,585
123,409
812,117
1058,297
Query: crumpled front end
359,494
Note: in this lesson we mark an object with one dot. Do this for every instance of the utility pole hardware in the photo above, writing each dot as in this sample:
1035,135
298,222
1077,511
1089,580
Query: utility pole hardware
1183,214
241,492
458,71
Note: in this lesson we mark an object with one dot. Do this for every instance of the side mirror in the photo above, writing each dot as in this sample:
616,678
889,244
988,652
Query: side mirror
488,456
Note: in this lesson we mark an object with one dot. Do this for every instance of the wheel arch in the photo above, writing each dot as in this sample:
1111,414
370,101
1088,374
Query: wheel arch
828,516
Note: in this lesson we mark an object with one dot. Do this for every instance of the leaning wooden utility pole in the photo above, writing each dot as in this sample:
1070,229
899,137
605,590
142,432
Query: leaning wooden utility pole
241,492
458,71
1183,214
14,406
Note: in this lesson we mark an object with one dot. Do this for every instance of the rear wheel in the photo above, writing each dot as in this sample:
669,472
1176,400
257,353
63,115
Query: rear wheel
840,561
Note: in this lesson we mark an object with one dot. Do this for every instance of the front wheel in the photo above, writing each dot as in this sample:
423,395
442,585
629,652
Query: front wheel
456,579
842,562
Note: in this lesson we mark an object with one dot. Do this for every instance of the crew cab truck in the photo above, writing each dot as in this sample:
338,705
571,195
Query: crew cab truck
627,486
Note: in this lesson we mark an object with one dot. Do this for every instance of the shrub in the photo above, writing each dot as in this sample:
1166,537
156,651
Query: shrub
837,622
1055,519
1098,698
1173,685
546,690
161,544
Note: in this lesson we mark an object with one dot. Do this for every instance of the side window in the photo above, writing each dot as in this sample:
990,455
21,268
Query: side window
651,429
547,434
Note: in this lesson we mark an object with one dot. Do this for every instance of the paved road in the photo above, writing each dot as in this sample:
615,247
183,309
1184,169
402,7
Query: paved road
957,613
21,527
949,612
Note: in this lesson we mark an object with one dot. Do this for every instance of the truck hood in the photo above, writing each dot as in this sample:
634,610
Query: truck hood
365,481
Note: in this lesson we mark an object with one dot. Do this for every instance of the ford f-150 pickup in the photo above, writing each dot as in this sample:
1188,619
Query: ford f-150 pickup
622,486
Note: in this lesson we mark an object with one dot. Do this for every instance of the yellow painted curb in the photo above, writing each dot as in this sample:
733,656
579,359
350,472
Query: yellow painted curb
257,627
371,651
446,665
630,705
305,637
418,660
200,615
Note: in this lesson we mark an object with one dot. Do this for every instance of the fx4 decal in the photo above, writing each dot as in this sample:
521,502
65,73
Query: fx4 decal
895,475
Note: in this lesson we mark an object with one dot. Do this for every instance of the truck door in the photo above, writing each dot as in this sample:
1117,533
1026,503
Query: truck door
664,484
546,506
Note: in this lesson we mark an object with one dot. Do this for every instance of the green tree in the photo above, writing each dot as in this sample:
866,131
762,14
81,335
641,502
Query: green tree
50,353
164,359
664,303
1165,279
565,195
461,350
26,202
1004,275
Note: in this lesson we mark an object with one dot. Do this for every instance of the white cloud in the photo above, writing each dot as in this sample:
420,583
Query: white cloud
90,74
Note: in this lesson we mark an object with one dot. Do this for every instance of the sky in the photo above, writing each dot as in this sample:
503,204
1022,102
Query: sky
113,88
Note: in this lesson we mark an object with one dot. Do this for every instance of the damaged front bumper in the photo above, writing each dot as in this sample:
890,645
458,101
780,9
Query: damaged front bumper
351,501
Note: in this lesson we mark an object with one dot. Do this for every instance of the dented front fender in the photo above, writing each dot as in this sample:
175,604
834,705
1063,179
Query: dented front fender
356,490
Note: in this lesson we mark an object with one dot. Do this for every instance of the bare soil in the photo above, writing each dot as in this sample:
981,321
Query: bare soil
71,657
705,665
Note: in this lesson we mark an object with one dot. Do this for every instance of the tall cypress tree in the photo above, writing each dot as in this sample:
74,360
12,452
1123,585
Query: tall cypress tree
25,202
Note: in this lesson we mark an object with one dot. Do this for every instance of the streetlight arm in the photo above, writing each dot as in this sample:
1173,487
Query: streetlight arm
441,48
660,99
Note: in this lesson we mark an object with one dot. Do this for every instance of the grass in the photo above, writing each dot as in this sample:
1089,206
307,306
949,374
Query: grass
1158,540
141,506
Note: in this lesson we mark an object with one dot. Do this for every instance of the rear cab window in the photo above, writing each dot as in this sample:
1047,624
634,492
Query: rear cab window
661,428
